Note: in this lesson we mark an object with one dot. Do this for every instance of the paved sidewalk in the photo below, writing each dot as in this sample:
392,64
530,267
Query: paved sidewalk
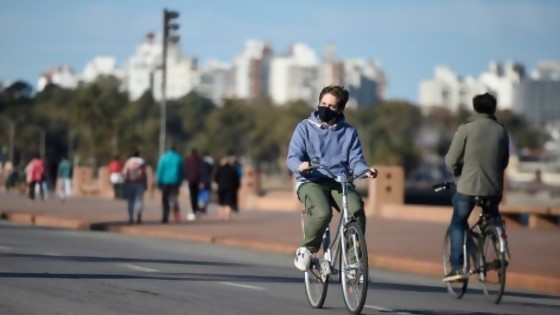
408,246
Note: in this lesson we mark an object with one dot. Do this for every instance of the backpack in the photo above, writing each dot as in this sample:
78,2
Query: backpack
136,173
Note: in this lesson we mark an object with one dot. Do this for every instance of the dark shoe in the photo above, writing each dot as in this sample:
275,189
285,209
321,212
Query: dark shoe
130,221
164,221
139,218
454,276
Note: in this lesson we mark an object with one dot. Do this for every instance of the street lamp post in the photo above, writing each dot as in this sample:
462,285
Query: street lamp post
168,26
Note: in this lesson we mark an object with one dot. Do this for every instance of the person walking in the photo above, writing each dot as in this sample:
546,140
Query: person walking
205,183
34,174
115,176
135,183
193,168
227,179
170,174
64,174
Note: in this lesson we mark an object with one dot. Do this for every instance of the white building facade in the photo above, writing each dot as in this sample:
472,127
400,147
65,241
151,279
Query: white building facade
537,97
63,76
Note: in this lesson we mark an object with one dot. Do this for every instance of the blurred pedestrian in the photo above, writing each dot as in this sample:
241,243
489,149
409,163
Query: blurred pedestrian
46,181
64,174
227,179
34,175
115,176
170,173
205,183
135,184
193,168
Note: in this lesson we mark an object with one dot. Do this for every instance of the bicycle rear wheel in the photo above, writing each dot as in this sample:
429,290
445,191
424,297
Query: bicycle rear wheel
456,289
354,268
316,285
494,267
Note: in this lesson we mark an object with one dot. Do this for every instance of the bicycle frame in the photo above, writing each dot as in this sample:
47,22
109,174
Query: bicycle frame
336,246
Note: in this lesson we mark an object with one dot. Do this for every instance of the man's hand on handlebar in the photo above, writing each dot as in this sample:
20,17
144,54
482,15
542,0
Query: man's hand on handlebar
372,173
304,166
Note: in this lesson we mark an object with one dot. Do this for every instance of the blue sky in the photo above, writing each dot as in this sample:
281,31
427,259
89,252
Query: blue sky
408,37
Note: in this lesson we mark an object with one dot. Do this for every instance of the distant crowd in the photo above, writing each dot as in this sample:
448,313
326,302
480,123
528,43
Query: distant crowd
197,173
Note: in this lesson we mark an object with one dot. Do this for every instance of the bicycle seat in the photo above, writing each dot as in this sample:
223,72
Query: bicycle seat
483,201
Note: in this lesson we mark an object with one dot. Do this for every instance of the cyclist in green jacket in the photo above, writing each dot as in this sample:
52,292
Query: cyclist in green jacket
477,157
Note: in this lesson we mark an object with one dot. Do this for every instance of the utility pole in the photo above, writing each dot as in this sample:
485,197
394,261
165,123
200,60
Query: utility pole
168,27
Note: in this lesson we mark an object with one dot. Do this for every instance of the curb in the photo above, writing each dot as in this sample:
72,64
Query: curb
537,283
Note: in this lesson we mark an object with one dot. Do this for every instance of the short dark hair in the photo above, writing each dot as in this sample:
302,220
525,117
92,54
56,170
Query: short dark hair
337,91
484,103
135,153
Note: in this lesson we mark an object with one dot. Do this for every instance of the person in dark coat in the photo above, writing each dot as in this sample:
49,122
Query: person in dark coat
228,181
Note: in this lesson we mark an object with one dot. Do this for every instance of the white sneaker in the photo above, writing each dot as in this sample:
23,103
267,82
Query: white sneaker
191,216
303,259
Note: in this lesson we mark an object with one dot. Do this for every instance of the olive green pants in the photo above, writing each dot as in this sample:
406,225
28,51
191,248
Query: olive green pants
317,199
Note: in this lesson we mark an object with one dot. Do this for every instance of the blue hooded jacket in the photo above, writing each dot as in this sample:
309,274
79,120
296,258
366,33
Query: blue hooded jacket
170,169
338,148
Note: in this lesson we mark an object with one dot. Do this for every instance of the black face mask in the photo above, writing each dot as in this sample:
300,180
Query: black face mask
326,114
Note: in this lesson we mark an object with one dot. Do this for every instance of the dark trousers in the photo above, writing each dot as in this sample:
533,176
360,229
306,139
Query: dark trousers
462,208
193,193
169,198
119,191
32,186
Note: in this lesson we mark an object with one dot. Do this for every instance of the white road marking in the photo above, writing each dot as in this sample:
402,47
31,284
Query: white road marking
5,248
52,254
245,286
131,266
386,310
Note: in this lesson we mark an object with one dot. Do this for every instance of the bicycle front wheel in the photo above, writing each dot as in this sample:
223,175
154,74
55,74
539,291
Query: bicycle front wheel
494,267
354,268
316,285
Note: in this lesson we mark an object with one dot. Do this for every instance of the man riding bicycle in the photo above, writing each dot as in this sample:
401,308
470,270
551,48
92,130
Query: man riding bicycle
327,136
477,157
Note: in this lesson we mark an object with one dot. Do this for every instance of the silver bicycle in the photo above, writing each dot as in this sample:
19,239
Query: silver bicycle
485,252
344,259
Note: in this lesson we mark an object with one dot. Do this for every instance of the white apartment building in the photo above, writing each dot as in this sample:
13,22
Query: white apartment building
449,90
63,76
100,66
216,81
537,97
251,70
182,78
294,77
365,82
139,69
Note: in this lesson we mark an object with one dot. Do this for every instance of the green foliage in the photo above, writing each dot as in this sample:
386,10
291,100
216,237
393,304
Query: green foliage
96,121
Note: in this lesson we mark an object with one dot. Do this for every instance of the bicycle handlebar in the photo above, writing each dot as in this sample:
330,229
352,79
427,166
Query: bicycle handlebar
349,178
443,186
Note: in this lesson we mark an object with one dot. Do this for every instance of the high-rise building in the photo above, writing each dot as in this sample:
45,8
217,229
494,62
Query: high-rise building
294,76
251,70
539,95
216,81
535,96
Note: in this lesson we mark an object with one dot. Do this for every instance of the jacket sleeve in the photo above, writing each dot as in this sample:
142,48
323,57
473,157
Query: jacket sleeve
296,149
456,152
505,158
159,173
356,160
